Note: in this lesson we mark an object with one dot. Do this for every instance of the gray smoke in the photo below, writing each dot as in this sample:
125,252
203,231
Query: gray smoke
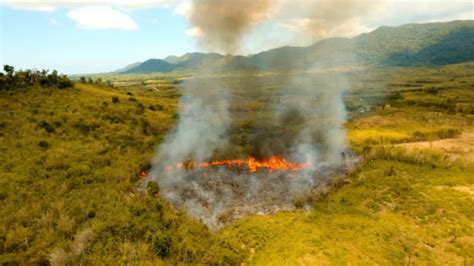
317,99
224,22
202,126
203,110
311,106
322,18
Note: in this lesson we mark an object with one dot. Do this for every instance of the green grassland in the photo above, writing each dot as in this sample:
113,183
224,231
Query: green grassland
71,160
70,167
398,207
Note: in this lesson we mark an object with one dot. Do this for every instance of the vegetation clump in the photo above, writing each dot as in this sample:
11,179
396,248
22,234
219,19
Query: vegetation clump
12,80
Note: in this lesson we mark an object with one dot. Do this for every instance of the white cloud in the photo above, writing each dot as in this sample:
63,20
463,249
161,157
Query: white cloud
52,5
396,12
91,14
101,18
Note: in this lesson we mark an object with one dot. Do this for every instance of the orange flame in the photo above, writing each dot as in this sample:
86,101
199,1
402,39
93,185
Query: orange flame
272,164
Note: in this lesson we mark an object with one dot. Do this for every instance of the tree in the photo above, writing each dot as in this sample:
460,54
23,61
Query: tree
9,70
53,77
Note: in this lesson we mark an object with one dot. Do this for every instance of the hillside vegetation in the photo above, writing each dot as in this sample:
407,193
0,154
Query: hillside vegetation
406,45
71,163
72,160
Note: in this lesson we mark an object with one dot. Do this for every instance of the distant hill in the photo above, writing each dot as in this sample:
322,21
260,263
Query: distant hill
151,65
411,44
122,70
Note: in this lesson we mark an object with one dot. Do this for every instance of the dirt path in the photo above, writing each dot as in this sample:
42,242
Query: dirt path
458,148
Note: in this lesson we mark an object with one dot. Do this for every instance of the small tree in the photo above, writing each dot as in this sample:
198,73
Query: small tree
9,70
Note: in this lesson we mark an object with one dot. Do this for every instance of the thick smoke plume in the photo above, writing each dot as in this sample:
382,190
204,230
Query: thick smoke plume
317,101
222,23
322,18
203,123
204,108
308,113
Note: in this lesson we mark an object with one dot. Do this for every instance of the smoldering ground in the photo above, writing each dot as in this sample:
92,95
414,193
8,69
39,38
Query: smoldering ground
220,195
302,120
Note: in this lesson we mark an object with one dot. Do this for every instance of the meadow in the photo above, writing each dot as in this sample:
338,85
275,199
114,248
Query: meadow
72,158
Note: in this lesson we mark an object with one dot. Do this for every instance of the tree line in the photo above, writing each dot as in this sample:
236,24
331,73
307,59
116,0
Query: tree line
11,79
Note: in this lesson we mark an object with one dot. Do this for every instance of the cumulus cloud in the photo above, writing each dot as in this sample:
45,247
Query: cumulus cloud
101,18
52,5
91,14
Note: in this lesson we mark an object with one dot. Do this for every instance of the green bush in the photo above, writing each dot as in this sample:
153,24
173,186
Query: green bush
31,79
153,188
162,246
43,144
46,126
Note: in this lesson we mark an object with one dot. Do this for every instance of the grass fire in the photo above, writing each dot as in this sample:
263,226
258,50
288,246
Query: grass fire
274,163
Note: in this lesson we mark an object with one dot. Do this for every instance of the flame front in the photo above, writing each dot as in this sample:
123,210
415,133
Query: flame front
274,163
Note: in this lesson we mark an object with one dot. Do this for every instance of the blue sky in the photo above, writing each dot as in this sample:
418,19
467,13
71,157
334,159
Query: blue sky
53,41
99,36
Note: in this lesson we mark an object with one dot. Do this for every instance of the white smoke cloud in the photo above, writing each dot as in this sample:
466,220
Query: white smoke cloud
311,20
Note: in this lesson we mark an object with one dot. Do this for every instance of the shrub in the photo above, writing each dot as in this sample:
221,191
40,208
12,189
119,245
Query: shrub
419,136
140,109
64,82
432,90
153,188
115,99
28,78
46,126
162,246
395,97
448,133
43,144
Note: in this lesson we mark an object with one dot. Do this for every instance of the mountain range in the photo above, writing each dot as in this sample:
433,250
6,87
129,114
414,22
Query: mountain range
407,45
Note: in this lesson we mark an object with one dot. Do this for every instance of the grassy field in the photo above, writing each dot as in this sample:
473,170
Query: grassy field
71,163
401,206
